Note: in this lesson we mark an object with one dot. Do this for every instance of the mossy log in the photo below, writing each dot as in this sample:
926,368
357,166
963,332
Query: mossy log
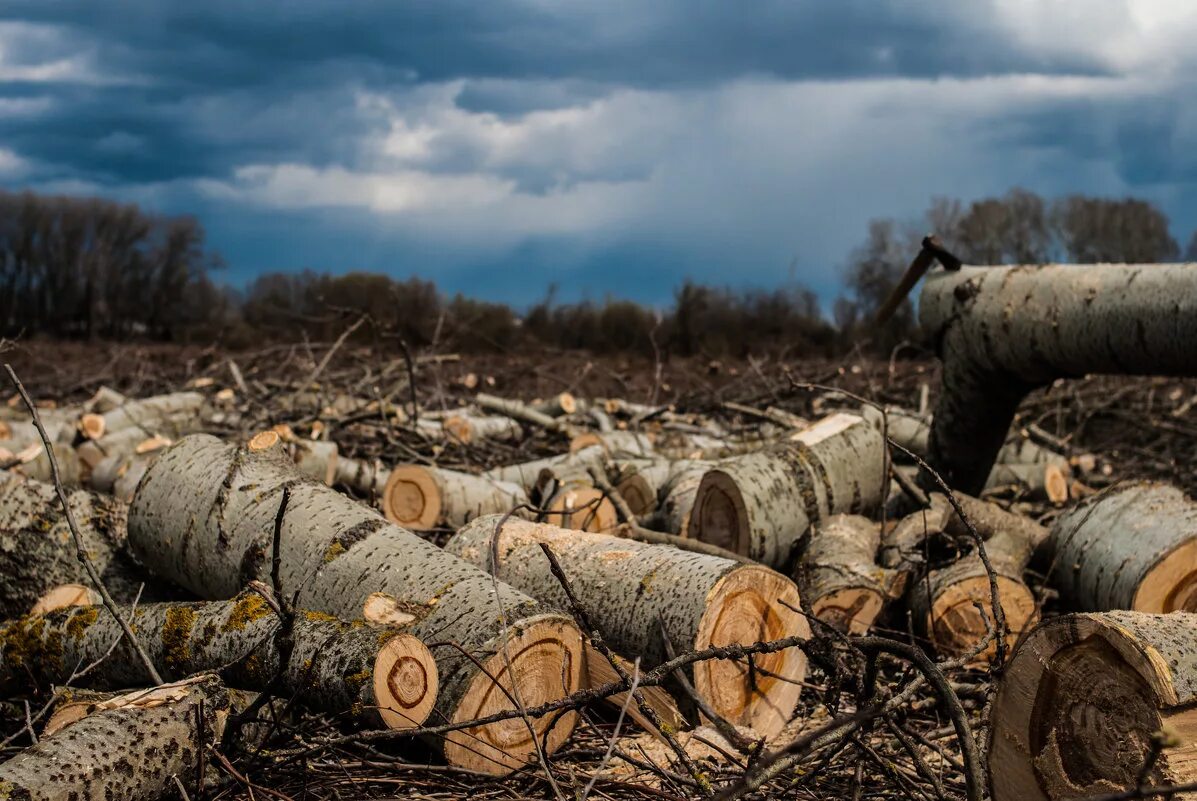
954,604
761,504
1084,701
626,588
205,515
37,552
1003,331
130,748
381,676
839,575
1133,546
421,497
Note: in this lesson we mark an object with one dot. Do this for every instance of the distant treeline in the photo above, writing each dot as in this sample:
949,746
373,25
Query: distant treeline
87,267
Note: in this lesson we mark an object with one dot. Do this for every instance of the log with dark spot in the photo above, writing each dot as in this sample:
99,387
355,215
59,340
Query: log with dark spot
1085,698
1003,331
131,747
384,677
205,515
626,588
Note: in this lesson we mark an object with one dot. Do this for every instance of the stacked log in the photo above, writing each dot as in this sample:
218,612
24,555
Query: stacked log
384,677
1133,546
1085,701
761,504
205,516
131,747
628,590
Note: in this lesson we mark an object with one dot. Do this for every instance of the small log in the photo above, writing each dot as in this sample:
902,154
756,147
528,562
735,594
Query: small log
1003,331
65,595
599,672
1037,480
527,474
205,516
170,415
619,444
1083,701
676,496
839,575
315,458
761,504
104,400
33,463
909,430
639,483
38,554
16,435
1133,546
626,587
469,428
384,677
575,503
422,498
131,747
518,410
361,475
559,405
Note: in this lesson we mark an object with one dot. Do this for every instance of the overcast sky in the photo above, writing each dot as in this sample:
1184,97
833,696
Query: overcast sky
613,146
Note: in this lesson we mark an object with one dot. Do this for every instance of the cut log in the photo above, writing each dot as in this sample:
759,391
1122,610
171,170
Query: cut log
469,428
65,595
676,497
518,410
599,672
1133,546
639,483
421,498
1084,698
1036,480
578,504
361,475
104,400
839,575
132,748
619,444
627,587
954,604
527,474
38,554
205,515
910,430
383,677
1002,331
560,404
761,504
119,475
169,415
16,435
119,443
33,463
315,458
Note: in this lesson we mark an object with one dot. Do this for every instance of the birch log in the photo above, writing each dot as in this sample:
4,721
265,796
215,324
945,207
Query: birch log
1133,546
205,514
676,497
1002,331
839,575
383,677
626,587
562,403
32,462
421,498
37,552
130,748
761,504
622,444
361,475
467,428
169,415
1082,701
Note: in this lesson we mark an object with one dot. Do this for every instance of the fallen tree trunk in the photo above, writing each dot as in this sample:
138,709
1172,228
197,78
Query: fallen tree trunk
954,604
1084,699
1003,331
761,504
420,498
205,514
627,588
383,677
1133,546
131,747
37,552
839,575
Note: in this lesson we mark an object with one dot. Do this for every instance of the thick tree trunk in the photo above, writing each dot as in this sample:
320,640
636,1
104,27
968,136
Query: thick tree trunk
954,604
131,748
839,575
1133,546
1002,331
205,516
423,498
626,588
469,428
1083,699
384,677
168,415
38,554
761,504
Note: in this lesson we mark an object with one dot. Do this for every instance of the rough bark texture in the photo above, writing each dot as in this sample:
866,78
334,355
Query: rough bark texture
761,504
205,513
335,666
627,587
839,575
37,552
1002,331
421,498
1082,699
130,750
676,498
1133,546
